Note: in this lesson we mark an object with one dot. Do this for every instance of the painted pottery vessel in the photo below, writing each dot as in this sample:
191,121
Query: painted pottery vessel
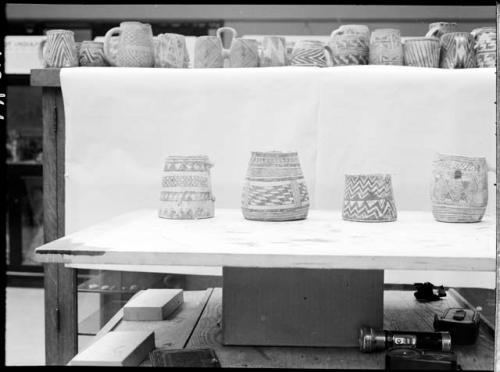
244,53
369,198
421,51
459,190
309,53
274,52
274,189
59,49
438,29
208,52
457,50
186,189
349,45
485,46
171,51
92,54
386,47
135,45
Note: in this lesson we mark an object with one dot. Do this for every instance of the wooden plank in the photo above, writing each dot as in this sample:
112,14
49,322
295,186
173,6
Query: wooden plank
415,242
294,307
401,312
60,283
45,77
153,304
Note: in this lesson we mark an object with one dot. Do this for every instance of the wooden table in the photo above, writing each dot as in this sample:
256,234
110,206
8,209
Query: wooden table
197,324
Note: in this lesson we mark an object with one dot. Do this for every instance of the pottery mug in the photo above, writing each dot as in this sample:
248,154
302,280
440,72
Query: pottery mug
421,51
244,53
171,51
274,188
92,54
186,189
310,53
208,52
459,191
349,45
438,29
485,43
457,50
369,198
59,49
135,45
386,47
274,52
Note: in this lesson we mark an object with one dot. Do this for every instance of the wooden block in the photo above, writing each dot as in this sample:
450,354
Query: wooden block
128,348
153,304
300,307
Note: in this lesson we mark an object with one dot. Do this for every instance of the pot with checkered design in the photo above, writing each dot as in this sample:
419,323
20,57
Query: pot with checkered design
274,189
457,50
186,188
349,45
135,45
485,46
459,191
59,49
369,198
386,47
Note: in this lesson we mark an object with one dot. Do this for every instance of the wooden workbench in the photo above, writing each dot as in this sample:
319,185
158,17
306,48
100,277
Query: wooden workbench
197,324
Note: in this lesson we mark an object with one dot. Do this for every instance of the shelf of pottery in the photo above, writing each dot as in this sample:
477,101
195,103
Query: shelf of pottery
132,44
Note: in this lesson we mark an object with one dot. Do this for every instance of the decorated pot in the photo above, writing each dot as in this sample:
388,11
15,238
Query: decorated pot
310,53
485,46
369,198
457,50
421,51
386,47
459,190
274,189
186,189
438,29
349,45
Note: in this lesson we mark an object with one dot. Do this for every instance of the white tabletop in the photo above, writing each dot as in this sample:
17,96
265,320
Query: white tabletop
414,242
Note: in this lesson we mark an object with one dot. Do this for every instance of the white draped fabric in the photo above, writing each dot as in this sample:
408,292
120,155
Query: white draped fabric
121,123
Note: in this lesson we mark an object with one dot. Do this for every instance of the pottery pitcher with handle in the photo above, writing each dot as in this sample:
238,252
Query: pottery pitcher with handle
135,45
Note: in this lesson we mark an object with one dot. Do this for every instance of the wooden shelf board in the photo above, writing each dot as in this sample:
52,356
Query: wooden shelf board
415,242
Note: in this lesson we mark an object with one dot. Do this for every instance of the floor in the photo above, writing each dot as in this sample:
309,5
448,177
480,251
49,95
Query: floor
25,335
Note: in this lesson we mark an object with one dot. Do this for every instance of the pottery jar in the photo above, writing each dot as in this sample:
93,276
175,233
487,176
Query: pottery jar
92,54
310,53
349,45
459,188
274,52
171,51
59,49
274,188
421,51
457,50
386,47
485,46
369,198
186,188
438,29
135,45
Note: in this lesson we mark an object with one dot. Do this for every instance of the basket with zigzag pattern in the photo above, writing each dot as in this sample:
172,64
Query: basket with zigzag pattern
369,198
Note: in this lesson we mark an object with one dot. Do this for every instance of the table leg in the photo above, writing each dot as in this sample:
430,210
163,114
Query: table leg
300,307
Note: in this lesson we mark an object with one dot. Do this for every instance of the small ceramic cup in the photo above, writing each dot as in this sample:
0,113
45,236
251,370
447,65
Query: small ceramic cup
171,51
274,52
386,47
349,45
457,50
438,29
208,52
59,49
485,46
92,54
244,53
369,198
421,51
310,53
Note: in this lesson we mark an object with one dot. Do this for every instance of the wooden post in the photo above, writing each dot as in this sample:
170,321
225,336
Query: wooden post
61,332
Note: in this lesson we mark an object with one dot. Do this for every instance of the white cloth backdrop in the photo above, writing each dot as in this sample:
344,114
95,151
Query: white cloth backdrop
122,122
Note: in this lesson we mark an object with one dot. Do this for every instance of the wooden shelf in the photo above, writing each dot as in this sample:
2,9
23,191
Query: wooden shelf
414,242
